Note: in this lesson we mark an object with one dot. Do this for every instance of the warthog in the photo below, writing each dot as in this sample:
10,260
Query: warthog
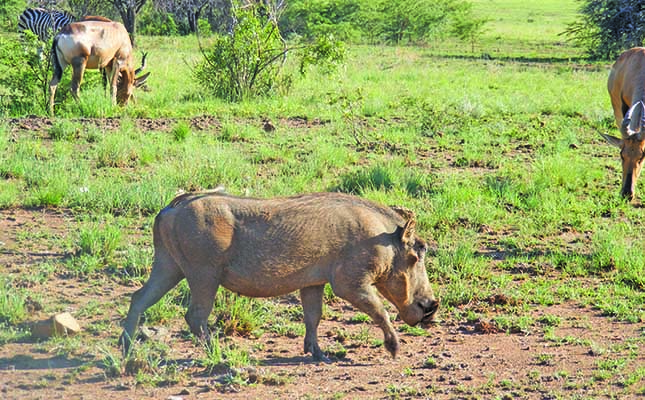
271,247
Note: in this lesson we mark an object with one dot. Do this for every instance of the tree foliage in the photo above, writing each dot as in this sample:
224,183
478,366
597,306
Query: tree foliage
322,17
397,21
380,21
9,10
608,27
186,14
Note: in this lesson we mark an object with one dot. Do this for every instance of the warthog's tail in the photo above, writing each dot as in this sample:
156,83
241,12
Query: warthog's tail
195,195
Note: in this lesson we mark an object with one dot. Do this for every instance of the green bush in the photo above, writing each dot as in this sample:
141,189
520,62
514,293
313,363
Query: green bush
245,63
248,62
24,71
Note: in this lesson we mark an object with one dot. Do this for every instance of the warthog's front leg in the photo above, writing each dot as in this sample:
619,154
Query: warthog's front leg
365,298
311,298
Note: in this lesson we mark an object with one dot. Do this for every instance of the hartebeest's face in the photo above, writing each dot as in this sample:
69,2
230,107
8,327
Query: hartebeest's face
127,82
124,87
632,155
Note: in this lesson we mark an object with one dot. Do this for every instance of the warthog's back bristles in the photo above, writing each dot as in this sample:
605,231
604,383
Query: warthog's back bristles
406,213
193,195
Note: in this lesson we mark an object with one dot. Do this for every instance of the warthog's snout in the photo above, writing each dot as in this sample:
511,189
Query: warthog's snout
429,307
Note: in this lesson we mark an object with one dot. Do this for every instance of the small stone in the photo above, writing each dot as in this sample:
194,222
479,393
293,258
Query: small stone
157,334
65,324
59,325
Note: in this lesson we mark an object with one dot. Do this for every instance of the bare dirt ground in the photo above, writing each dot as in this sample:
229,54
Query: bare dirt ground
457,360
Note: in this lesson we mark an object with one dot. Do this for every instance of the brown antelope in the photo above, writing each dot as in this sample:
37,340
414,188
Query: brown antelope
626,87
95,43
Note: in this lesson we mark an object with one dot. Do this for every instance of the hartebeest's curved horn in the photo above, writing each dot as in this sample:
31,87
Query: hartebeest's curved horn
634,121
143,64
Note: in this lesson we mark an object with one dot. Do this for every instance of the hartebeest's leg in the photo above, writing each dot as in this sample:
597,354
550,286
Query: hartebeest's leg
113,76
164,276
78,65
311,298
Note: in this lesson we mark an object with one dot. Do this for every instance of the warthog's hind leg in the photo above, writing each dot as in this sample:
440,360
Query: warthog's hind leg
311,298
165,275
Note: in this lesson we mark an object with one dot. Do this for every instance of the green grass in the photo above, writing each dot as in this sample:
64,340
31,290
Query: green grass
12,302
526,30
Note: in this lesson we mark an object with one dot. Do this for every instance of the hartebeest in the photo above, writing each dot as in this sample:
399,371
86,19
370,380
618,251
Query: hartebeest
95,43
626,87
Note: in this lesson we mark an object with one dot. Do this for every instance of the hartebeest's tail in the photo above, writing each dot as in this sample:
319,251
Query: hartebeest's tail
58,69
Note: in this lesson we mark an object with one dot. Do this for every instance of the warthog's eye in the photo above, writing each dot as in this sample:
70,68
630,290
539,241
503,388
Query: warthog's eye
420,247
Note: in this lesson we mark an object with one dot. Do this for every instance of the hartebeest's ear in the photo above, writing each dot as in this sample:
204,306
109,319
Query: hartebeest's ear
634,121
138,82
613,140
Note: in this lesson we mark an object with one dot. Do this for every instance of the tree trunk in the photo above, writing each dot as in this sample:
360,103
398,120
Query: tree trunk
129,20
128,10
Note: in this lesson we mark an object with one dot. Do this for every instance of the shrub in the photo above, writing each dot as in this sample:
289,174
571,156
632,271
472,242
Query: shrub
24,70
248,62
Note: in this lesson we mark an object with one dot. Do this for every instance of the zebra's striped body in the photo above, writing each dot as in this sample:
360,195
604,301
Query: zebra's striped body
44,23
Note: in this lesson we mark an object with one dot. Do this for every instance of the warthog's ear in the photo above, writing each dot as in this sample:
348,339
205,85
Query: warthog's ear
406,213
407,233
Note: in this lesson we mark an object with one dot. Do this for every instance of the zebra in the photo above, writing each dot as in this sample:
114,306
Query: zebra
43,23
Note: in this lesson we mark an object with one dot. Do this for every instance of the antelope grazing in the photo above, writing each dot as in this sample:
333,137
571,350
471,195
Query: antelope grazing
626,87
95,43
